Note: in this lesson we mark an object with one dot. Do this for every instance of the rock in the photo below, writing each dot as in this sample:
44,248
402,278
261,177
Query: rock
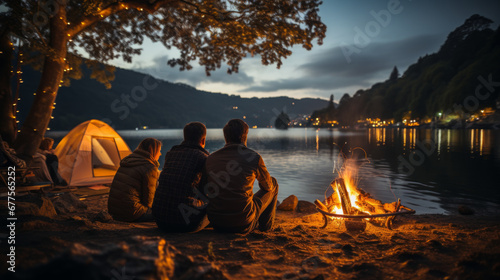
103,217
306,207
35,205
289,203
354,225
68,203
465,210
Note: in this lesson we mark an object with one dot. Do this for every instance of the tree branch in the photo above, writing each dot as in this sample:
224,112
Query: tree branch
149,7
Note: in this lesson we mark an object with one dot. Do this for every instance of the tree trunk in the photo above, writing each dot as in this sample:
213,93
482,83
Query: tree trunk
37,121
7,120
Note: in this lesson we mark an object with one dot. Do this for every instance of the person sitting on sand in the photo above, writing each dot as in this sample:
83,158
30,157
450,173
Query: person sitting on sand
178,204
51,161
133,187
232,170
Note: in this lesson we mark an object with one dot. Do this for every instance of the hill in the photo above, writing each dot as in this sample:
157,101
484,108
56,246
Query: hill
457,81
137,100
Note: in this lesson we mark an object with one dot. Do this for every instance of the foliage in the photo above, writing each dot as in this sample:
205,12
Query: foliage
213,32
440,82
52,32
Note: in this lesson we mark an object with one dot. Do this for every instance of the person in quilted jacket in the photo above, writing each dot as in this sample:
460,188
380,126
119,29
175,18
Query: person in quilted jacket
134,185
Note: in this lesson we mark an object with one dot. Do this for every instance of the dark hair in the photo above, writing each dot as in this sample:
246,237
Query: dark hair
236,131
194,131
150,145
46,143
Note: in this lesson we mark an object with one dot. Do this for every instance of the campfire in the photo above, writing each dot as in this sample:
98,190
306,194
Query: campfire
347,201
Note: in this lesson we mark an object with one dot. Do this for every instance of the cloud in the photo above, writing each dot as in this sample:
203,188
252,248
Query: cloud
193,77
330,70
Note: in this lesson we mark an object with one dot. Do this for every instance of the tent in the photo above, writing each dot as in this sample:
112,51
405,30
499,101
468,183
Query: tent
90,154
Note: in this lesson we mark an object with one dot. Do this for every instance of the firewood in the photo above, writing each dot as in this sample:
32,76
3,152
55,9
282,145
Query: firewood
344,196
320,205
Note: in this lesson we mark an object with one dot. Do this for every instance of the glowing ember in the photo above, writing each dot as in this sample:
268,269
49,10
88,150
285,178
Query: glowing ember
348,199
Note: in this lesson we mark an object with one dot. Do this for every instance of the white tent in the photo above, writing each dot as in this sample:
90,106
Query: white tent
90,154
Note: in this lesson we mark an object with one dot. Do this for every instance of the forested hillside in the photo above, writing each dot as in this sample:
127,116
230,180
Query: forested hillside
438,84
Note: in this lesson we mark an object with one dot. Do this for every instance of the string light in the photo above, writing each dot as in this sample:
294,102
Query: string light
48,128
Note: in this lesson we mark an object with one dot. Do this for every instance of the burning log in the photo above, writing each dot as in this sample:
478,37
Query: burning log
350,203
345,201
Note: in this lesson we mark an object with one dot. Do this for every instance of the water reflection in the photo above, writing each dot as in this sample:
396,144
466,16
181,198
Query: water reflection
459,166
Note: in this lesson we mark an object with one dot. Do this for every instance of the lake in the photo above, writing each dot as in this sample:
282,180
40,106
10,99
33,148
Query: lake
432,171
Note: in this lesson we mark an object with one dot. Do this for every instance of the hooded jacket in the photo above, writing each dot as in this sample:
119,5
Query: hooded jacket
133,187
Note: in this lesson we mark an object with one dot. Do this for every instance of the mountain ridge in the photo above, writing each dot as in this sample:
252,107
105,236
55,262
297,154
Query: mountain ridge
137,100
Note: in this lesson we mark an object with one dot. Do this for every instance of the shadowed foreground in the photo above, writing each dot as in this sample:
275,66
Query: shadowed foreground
84,244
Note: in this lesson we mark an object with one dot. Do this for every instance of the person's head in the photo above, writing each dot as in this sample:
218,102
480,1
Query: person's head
195,132
236,132
46,144
152,146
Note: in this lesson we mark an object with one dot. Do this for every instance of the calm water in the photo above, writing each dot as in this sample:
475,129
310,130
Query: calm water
432,171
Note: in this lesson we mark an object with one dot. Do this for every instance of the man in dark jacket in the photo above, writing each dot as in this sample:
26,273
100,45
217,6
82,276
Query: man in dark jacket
178,204
231,172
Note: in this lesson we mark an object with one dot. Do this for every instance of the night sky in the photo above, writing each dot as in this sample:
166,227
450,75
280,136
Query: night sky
365,39
414,29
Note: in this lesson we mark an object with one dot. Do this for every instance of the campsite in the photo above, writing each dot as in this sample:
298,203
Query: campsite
86,244
193,139
66,230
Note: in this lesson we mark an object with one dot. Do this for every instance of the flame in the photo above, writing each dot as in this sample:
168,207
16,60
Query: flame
348,171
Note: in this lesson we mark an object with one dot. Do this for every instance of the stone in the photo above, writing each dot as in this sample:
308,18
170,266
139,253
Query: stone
306,207
289,203
68,203
355,225
103,216
465,210
36,206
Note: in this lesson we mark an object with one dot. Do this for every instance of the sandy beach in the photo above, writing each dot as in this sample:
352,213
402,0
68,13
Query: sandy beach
83,243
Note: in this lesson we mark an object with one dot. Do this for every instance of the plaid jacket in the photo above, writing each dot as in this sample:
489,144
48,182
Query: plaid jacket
176,201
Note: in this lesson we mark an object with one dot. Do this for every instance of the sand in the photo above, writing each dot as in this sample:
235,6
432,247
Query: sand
84,244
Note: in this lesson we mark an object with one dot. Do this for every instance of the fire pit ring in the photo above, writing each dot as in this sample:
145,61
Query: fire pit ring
366,216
